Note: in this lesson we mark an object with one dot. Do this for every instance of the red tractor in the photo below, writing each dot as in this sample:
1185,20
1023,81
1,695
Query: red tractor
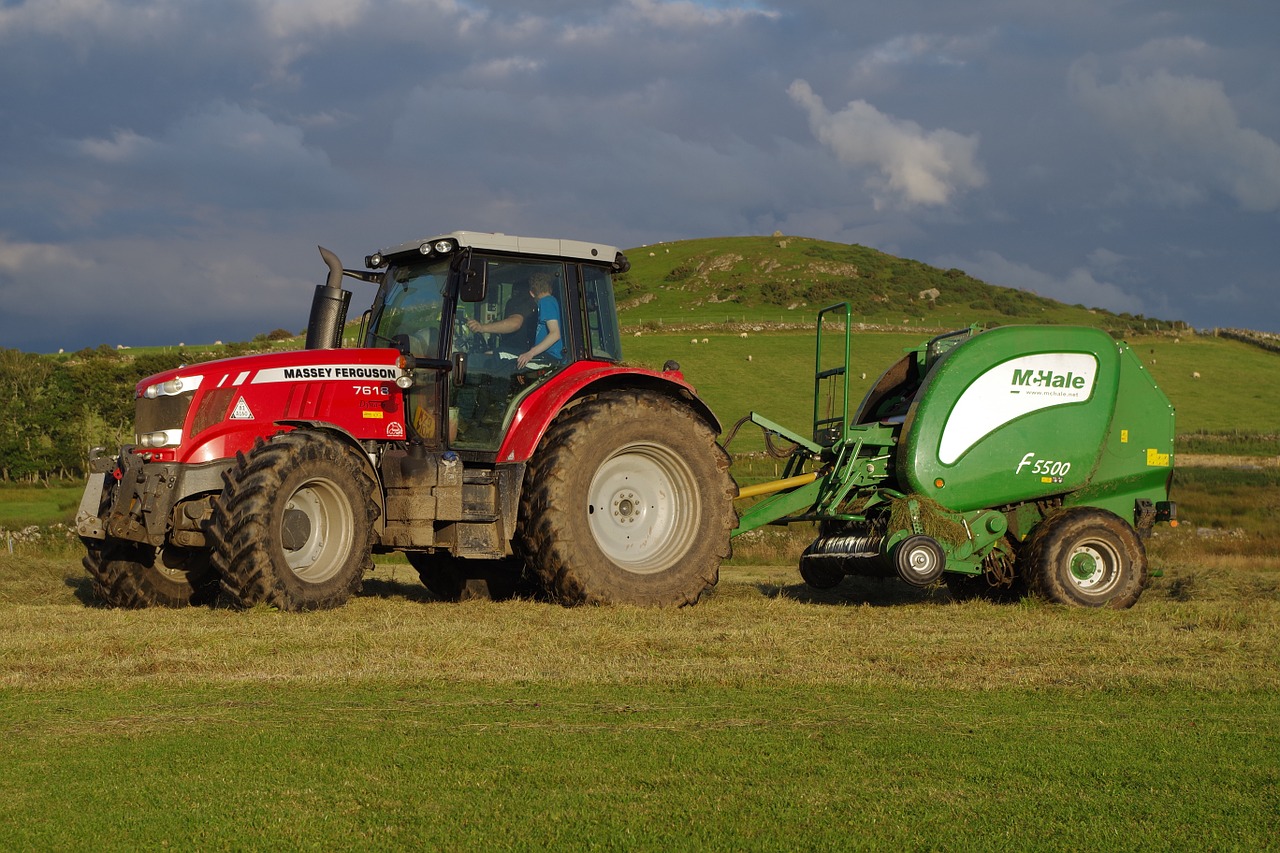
485,426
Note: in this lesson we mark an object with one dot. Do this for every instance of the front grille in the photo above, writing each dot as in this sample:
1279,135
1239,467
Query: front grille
160,413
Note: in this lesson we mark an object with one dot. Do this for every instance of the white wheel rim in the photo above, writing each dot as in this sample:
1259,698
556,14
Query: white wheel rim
922,560
329,533
1093,567
643,507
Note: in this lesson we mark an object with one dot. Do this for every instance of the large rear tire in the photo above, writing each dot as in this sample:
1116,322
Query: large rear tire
134,575
1088,557
628,500
294,525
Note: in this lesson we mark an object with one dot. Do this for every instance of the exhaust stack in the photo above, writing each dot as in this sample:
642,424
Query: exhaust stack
328,307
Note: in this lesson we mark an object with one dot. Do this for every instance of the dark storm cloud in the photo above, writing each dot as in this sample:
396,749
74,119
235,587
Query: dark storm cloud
166,169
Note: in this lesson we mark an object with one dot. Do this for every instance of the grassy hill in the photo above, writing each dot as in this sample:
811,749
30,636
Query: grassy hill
1229,407
54,408
784,280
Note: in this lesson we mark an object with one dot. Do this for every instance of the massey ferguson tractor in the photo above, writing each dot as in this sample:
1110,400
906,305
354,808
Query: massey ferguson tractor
484,425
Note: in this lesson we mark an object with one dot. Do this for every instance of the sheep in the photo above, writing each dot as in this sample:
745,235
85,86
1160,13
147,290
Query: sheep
704,340
1195,374
748,358
743,335
694,341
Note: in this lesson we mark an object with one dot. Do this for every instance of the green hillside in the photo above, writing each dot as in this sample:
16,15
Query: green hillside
54,408
1230,404
773,280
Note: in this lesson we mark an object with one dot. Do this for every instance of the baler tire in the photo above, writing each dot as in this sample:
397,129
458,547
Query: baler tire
133,575
451,578
1087,557
628,500
321,489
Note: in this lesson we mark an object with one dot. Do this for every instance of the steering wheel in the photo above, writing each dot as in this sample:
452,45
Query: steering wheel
464,340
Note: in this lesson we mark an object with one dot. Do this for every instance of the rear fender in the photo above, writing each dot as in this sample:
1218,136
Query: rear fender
536,412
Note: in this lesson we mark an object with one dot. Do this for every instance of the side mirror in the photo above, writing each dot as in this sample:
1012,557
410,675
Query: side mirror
472,283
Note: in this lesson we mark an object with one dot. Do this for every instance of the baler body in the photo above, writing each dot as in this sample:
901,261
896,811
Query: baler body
971,456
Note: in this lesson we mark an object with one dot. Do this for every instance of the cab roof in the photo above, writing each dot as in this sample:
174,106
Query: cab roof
498,242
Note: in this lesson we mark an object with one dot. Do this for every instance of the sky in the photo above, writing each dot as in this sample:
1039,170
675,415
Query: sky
168,167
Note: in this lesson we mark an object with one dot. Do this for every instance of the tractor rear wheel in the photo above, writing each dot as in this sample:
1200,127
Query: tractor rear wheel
628,500
134,575
294,525
1088,557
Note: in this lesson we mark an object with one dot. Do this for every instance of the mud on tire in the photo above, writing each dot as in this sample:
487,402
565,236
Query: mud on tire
134,575
294,524
1087,557
628,500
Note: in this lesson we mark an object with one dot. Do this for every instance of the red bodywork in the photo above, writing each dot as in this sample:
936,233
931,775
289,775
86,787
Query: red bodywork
536,412
235,401
240,399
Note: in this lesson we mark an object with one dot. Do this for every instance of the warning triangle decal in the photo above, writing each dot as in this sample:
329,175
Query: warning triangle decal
241,411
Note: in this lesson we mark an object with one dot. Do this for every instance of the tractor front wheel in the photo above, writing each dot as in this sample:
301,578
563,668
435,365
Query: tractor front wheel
293,527
1088,557
134,575
628,501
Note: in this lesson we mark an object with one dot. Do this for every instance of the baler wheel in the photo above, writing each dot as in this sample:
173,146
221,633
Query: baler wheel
133,575
1088,557
293,526
919,560
628,500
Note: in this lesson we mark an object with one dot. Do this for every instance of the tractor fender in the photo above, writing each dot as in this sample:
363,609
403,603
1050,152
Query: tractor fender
535,413
347,438
223,441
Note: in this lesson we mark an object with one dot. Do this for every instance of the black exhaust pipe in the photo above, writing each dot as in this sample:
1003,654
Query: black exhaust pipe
328,307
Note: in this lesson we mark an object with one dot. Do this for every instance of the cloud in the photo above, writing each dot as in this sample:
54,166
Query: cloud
914,167
1185,134
1078,286
682,15
288,18
224,154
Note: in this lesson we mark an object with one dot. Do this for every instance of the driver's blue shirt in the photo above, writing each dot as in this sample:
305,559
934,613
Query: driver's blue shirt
549,309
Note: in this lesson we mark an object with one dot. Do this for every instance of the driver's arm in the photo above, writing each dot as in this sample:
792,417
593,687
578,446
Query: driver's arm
505,326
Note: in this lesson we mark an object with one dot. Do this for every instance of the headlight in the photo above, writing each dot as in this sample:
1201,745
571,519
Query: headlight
160,438
439,247
172,388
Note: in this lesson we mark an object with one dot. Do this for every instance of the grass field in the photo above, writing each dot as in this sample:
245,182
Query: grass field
767,717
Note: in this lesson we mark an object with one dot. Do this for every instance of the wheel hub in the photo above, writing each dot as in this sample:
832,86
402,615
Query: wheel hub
1084,566
1094,567
641,507
626,507
295,529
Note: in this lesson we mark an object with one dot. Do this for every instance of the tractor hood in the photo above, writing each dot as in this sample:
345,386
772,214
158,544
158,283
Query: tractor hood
208,411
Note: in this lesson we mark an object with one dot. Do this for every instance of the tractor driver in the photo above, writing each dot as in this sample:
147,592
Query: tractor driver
547,337
516,330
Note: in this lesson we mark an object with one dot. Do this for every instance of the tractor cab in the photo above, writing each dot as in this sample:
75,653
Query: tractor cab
485,319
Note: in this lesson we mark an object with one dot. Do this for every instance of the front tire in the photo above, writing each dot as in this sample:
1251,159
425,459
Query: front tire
294,525
134,575
1087,557
628,501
